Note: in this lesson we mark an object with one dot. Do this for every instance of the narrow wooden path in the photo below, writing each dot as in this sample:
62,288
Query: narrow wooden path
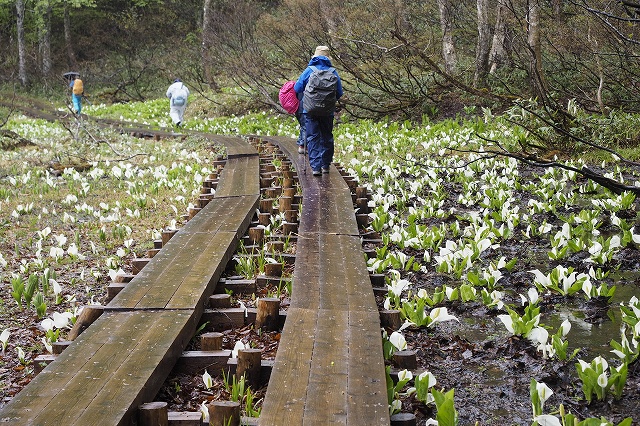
124,357
329,369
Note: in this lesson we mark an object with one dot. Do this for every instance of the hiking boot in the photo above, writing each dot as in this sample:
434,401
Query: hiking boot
301,149
325,170
317,173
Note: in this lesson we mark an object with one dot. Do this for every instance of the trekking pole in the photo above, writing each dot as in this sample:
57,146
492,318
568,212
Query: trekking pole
304,159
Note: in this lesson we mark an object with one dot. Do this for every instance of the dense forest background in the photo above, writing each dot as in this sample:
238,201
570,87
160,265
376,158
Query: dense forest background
406,59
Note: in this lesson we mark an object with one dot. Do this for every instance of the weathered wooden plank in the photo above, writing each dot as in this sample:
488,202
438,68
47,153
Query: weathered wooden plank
366,391
326,400
117,348
36,397
238,216
284,403
236,146
305,291
241,176
162,282
163,336
192,278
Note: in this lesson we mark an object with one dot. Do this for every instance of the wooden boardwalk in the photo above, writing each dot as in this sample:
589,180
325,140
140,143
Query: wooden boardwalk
329,368
123,359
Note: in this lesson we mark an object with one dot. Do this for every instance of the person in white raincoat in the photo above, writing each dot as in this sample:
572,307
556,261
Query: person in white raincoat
177,94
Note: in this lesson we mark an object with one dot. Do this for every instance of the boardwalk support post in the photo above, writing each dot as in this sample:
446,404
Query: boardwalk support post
223,413
249,365
87,316
268,316
153,414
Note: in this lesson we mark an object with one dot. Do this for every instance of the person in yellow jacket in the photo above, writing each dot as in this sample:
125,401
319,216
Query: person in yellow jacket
77,92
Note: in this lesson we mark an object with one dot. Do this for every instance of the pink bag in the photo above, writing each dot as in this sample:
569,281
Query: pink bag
288,98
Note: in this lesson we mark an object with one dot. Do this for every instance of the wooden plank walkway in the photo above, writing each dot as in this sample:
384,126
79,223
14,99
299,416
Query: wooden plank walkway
329,368
123,359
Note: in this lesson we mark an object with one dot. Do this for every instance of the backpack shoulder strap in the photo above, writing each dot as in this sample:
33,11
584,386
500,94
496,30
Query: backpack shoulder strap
313,67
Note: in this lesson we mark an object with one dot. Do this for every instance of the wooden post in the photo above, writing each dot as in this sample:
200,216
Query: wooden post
266,205
390,318
285,204
153,414
362,192
224,413
289,228
287,183
249,365
167,234
59,346
273,269
363,220
403,419
87,316
377,280
264,219
211,341
256,235
268,315
405,360
363,205
275,246
289,192
291,216
217,301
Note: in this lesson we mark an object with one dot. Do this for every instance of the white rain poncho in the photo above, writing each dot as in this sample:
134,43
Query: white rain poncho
177,94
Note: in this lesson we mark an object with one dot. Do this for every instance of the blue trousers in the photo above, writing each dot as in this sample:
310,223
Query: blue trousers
319,140
77,103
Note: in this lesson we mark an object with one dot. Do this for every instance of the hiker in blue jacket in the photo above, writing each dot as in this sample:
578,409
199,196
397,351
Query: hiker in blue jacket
319,128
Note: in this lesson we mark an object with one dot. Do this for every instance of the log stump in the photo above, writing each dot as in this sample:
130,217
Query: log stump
153,414
390,318
211,341
256,235
220,301
224,413
405,360
249,366
268,315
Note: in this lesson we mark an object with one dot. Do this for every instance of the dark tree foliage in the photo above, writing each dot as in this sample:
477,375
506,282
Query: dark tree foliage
389,53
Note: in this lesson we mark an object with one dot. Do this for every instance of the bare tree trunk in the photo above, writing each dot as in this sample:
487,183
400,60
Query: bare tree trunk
483,45
596,54
206,44
446,25
22,54
498,51
71,56
535,50
45,40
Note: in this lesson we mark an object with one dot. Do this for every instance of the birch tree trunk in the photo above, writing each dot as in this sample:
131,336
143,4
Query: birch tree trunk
45,39
535,50
483,45
446,25
22,67
498,53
